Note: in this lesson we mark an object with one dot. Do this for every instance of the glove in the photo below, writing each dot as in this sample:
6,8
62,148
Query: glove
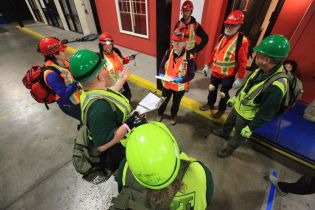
178,80
231,101
246,132
205,70
135,120
237,83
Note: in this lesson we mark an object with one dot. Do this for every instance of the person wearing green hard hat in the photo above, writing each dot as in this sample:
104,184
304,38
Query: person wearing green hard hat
158,175
261,96
104,110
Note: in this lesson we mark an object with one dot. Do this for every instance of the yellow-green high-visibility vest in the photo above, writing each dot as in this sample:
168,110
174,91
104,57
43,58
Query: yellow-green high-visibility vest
244,104
119,100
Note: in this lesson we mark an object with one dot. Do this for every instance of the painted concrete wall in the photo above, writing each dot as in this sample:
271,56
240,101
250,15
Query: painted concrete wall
302,50
290,16
109,22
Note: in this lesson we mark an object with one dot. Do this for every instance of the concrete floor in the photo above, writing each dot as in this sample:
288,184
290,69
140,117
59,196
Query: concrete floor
36,148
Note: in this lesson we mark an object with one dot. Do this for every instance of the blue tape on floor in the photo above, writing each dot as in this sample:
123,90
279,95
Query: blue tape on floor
271,193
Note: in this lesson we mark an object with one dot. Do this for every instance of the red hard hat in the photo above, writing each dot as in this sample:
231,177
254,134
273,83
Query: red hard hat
235,17
50,45
105,38
187,6
180,34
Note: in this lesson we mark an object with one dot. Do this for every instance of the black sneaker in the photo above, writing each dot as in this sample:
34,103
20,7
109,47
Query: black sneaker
206,107
225,151
219,132
218,114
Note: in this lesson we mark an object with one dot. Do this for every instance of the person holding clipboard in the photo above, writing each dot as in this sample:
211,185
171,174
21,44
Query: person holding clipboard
178,66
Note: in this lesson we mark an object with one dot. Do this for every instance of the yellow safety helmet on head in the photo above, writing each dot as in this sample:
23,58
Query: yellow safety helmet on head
153,155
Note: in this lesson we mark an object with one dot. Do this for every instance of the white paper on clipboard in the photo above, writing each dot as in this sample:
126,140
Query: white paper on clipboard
165,78
149,103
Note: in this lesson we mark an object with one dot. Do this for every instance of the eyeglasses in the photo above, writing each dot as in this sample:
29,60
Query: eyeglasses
230,26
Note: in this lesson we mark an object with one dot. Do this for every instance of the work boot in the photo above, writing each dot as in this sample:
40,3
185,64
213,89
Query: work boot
173,120
274,181
219,132
218,114
206,107
225,151
159,118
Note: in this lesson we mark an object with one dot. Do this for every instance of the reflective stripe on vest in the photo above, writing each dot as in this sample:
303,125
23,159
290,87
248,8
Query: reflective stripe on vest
191,29
224,58
178,69
245,105
121,102
193,195
67,78
114,64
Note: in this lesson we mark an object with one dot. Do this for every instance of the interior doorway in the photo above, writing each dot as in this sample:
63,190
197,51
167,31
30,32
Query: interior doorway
51,13
71,15
260,17
35,10
95,16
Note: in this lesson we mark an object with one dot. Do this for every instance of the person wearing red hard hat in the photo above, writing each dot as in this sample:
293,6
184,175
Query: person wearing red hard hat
228,60
193,27
178,64
114,59
58,77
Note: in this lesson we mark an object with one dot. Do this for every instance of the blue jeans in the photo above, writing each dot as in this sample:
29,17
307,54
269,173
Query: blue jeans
226,85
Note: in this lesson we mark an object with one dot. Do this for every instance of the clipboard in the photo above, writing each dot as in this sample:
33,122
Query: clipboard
165,78
149,103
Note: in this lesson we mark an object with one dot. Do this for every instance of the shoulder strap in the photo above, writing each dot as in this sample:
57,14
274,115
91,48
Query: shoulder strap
272,79
184,164
239,42
52,68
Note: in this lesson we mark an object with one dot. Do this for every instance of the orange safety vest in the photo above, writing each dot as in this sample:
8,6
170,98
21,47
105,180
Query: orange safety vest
114,64
192,31
67,78
177,69
224,63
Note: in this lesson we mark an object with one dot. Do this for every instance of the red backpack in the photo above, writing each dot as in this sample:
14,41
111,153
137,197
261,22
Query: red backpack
34,80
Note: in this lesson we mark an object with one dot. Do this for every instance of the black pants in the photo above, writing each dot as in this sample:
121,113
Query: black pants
177,97
234,120
303,186
226,85
126,91
73,111
111,158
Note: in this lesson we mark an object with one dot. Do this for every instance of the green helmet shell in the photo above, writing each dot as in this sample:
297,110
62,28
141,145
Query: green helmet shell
85,64
274,46
153,155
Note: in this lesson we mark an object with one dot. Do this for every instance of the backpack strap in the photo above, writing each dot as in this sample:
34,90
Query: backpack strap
239,43
263,87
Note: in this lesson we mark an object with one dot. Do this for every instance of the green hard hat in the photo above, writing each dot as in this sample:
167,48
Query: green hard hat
274,46
153,155
85,64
